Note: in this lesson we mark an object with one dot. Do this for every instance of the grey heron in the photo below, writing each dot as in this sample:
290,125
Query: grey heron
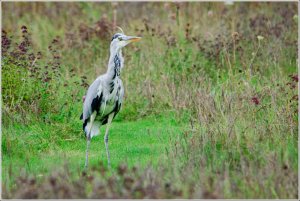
104,97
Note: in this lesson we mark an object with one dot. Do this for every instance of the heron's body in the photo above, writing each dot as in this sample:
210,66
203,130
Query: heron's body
104,97
107,100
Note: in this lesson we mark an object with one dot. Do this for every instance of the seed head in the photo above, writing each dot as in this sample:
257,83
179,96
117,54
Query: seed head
259,37
255,100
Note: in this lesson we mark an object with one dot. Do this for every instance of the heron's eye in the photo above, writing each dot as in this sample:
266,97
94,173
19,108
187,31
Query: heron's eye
120,39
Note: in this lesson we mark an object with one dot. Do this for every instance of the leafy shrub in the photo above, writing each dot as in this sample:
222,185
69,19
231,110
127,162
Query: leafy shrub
31,79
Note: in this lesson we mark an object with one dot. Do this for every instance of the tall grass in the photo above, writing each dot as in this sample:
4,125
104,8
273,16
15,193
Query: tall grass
228,76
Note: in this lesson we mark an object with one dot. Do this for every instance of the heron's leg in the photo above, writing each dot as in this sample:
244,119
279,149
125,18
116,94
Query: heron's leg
88,139
110,117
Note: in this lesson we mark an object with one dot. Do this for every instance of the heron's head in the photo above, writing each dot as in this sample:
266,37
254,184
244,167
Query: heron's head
120,40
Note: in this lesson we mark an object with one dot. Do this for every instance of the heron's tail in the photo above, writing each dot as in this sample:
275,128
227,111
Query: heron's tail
95,129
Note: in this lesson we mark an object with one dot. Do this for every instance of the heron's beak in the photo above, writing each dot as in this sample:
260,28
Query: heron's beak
131,39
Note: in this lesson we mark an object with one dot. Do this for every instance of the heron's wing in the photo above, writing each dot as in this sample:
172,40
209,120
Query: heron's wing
93,99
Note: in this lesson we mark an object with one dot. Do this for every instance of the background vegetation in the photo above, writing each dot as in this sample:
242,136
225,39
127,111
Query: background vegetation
210,109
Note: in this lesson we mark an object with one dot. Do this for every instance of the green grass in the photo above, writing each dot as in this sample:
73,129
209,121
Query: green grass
139,143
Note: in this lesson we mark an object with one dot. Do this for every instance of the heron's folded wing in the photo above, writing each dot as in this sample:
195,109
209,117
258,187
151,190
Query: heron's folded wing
93,99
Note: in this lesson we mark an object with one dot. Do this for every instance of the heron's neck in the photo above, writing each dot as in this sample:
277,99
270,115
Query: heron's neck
115,64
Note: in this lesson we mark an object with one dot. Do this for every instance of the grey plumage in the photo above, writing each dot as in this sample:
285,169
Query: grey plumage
104,97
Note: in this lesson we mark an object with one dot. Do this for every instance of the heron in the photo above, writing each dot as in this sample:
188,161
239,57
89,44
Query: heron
103,99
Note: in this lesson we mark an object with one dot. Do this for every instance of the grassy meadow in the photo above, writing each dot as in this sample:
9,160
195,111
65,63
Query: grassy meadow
210,107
